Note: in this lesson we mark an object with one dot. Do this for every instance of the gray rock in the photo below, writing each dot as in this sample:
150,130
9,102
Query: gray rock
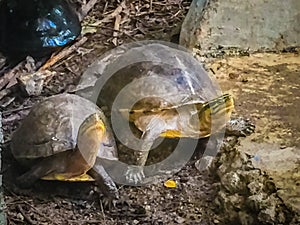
205,163
247,195
254,25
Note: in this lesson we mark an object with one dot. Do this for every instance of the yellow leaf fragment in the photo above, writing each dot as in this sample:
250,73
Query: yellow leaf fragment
170,184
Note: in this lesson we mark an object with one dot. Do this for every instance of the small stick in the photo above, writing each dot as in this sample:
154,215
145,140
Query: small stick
10,75
119,31
86,8
102,210
112,15
116,28
62,54
151,5
29,220
7,112
27,203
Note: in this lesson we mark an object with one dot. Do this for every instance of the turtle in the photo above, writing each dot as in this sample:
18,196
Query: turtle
36,27
64,137
163,92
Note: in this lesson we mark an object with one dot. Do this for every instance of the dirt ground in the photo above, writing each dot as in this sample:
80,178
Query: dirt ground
266,88
192,201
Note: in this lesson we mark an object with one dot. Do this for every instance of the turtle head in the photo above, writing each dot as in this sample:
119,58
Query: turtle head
90,136
214,114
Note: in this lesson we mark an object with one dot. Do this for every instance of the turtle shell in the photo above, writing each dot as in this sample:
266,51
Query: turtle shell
52,127
153,70
147,79
36,27
152,86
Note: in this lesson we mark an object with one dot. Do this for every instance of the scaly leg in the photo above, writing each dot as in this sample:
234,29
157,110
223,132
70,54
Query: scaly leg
105,183
135,173
239,127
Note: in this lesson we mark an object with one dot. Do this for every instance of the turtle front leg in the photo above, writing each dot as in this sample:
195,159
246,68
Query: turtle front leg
105,183
135,173
240,127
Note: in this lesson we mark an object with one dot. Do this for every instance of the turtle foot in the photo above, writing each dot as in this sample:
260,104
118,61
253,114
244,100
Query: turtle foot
240,127
135,174
109,203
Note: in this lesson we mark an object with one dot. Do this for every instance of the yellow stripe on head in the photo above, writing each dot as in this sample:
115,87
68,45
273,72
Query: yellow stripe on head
215,113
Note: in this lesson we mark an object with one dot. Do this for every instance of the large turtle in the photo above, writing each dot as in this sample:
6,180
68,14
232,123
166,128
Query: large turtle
63,138
162,91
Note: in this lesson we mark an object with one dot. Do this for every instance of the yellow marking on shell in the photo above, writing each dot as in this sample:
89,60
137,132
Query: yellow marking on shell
218,108
171,134
62,177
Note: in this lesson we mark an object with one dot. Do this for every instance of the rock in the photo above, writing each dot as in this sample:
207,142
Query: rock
245,218
179,220
247,195
204,163
233,183
268,160
282,166
216,25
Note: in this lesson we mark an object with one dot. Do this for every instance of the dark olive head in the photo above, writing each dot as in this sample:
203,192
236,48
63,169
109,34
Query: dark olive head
90,136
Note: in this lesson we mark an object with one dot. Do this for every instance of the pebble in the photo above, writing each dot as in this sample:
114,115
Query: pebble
20,216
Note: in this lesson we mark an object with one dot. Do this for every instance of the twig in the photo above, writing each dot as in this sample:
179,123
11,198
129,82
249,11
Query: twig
4,93
86,8
65,52
112,29
27,203
10,75
4,113
116,28
105,7
151,5
102,210
29,220
112,15
8,102
86,221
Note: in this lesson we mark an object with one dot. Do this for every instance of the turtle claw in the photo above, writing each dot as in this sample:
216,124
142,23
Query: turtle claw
135,174
109,203
240,127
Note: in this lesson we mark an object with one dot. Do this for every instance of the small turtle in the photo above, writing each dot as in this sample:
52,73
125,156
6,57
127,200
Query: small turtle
65,137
